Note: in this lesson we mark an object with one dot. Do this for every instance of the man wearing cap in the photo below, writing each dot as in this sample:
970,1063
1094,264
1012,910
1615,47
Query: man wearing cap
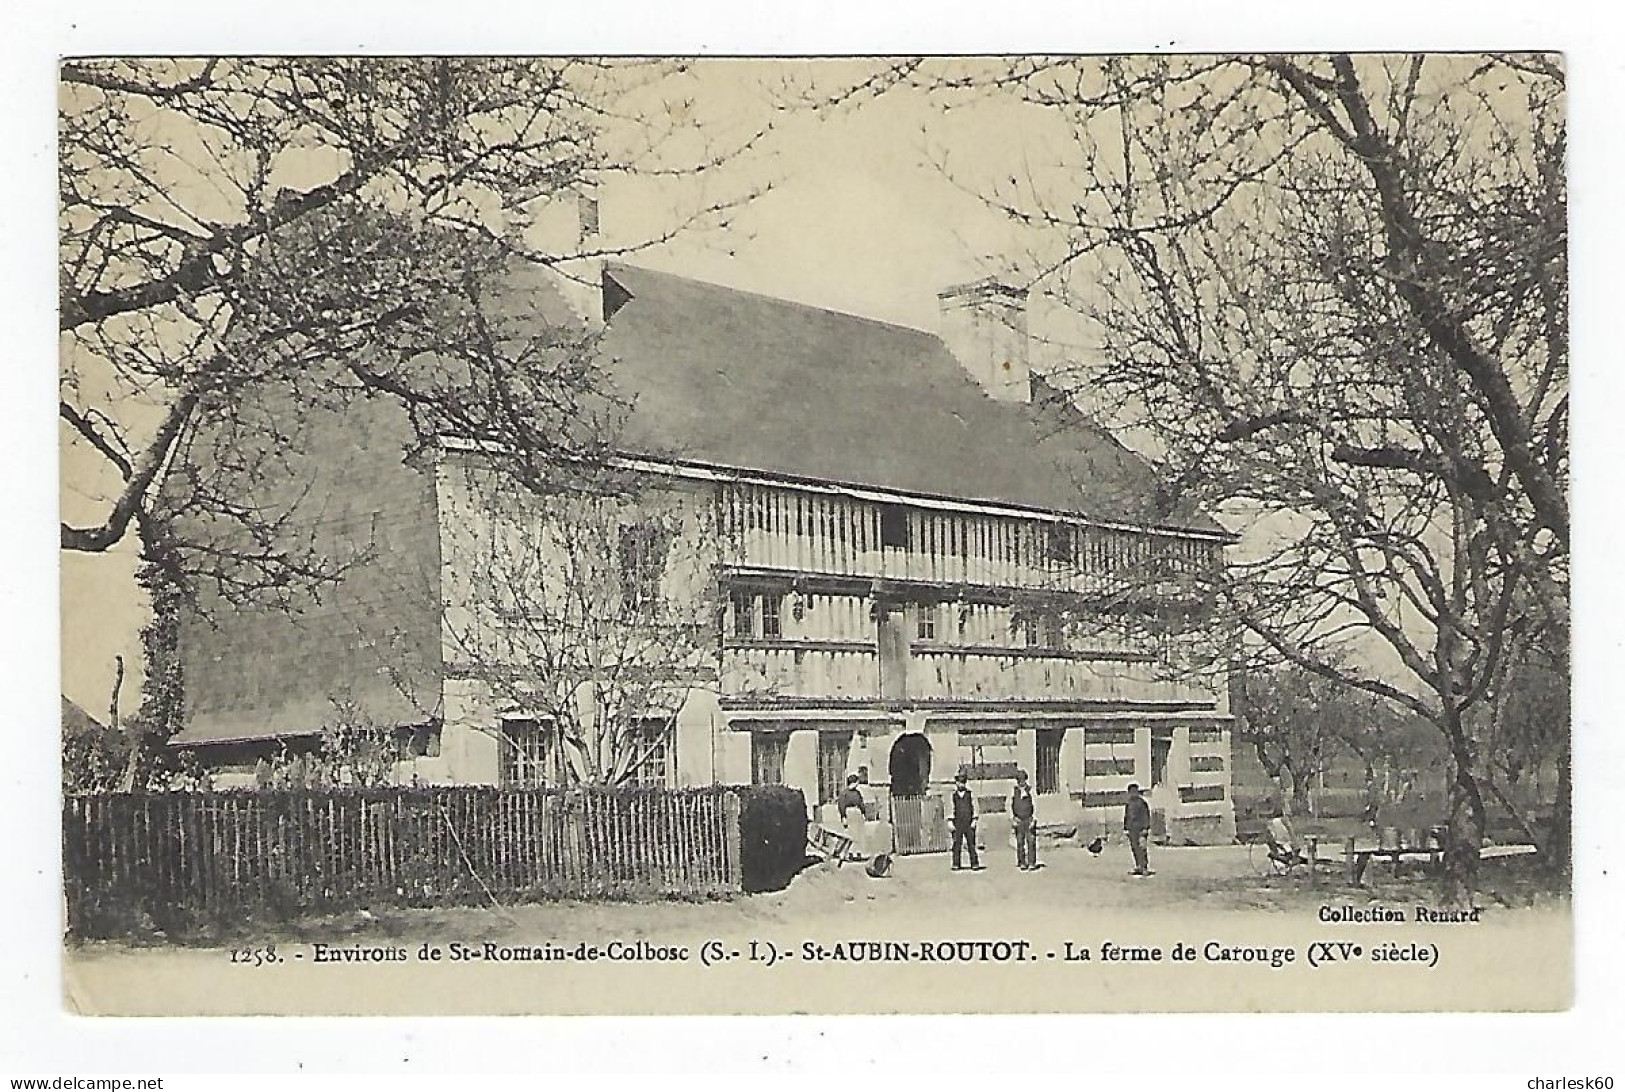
1137,824
964,821
1021,815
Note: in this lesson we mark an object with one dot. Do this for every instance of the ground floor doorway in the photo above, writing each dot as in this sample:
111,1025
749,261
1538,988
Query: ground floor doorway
910,765
919,817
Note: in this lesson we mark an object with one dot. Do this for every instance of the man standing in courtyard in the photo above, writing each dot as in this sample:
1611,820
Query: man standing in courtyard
964,821
1021,815
1137,824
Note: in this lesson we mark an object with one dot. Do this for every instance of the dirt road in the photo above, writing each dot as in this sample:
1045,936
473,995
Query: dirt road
814,947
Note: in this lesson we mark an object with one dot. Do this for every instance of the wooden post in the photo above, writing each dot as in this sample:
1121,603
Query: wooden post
1350,861
732,876
1313,844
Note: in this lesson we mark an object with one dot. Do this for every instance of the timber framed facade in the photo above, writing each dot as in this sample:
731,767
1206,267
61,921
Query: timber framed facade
896,605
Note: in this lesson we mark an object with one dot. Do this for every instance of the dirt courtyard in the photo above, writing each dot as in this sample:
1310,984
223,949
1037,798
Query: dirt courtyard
1072,884
1077,902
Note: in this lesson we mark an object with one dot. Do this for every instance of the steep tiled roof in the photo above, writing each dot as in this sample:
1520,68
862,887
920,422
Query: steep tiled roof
731,378
254,672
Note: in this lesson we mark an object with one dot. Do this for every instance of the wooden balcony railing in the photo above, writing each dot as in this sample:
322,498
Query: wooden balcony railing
803,532
801,670
1018,675
852,672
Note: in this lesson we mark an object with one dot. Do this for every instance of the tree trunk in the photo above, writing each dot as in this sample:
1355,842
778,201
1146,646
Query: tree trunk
1303,804
1373,791
162,704
1279,771
1559,847
1293,789
1465,833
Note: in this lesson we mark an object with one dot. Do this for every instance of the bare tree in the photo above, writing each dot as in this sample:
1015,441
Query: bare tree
1524,729
321,225
1330,293
246,243
1297,722
592,612
1401,753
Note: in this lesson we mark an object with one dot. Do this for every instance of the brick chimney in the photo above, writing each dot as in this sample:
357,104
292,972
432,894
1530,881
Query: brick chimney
984,325
566,226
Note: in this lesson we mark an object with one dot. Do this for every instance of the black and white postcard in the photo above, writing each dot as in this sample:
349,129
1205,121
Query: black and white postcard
848,535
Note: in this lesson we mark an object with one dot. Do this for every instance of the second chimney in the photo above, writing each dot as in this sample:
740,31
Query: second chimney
984,325
565,227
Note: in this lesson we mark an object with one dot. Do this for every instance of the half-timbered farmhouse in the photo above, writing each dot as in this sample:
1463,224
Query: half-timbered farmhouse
924,559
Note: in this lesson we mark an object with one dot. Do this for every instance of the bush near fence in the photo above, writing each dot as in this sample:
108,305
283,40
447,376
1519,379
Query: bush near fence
773,836
186,860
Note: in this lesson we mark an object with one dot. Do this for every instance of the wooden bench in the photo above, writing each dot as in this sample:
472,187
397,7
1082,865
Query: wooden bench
1359,857
1489,853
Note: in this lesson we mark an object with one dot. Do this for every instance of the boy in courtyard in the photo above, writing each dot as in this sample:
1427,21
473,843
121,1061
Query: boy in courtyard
851,800
1282,839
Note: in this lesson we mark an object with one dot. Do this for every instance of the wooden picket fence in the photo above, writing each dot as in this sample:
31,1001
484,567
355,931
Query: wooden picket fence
182,858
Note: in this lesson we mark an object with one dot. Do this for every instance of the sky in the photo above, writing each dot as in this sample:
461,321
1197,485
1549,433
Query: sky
858,218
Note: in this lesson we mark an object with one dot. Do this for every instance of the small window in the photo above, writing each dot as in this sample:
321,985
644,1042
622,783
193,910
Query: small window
1047,777
642,560
894,526
767,751
587,209
1052,632
524,752
744,612
652,749
771,626
1060,544
925,622
423,741
1027,627
833,751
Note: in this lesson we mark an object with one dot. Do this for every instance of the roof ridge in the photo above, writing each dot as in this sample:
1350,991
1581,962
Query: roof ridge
781,301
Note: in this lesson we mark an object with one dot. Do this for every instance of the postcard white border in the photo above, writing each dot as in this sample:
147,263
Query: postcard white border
37,1038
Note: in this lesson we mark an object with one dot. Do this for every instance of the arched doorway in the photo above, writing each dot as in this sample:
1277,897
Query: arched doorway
910,765
919,818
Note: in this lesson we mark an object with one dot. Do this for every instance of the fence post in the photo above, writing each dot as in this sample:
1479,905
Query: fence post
733,876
